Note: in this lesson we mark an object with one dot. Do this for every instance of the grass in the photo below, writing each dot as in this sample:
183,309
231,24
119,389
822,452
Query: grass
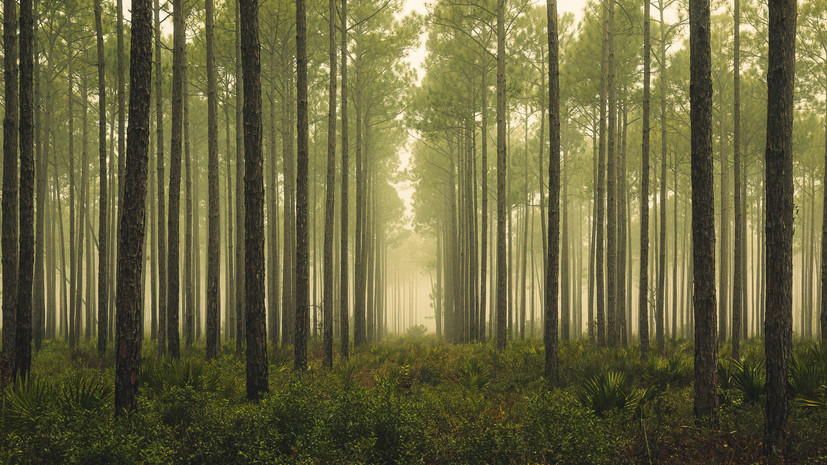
412,399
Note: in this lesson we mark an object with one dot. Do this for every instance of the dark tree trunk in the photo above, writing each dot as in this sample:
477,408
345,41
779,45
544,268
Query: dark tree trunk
779,226
703,213
159,163
274,296
502,264
131,230
174,218
23,333
213,226
552,270
611,187
823,316
256,330
10,182
302,226
660,329
343,275
103,224
39,298
330,188
189,307
643,273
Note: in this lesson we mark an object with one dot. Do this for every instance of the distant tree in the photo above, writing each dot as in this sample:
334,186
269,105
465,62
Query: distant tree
343,250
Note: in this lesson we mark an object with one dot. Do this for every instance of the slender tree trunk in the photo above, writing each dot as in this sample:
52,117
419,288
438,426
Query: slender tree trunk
302,227
611,186
738,277
159,164
703,213
103,225
601,179
23,332
552,270
660,327
189,308
173,220
83,213
213,226
274,297
330,188
10,182
779,226
502,269
622,206
343,275
240,301
823,316
131,230
643,274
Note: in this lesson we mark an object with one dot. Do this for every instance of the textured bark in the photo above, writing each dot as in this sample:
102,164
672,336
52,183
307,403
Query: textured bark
737,276
10,181
256,322
330,188
703,213
274,296
23,332
502,264
131,230
623,232
213,202
611,187
39,298
83,211
103,224
552,270
302,226
159,164
779,226
823,316
484,196
175,149
343,275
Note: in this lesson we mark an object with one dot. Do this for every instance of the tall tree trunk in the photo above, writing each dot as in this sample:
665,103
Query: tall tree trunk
343,275
274,297
189,308
601,179
84,211
240,301
131,230
823,316
302,226
173,220
643,273
40,287
10,182
611,186
739,219
484,226
23,332
660,327
330,188
552,270
502,269
703,213
779,226
256,321
159,164
623,230
103,225
213,225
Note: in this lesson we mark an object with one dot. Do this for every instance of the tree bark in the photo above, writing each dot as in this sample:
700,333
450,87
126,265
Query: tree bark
159,163
103,224
611,186
643,273
240,300
213,226
330,188
737,277
10,182
302,227
256,322
502,264
131,230
779,226
552,270
703,213
173,220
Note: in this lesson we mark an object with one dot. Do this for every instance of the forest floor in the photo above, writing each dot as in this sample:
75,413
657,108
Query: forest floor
411,399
